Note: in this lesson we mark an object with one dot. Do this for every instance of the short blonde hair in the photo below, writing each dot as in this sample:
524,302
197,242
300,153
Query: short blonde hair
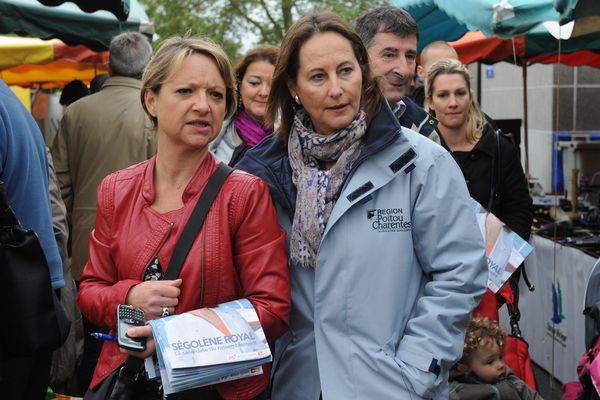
475,119
170,55
481,332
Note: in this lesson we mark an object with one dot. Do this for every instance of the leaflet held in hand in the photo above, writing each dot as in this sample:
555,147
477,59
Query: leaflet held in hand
505,250
210,345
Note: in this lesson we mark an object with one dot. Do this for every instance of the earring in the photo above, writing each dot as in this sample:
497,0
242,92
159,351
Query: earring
297,100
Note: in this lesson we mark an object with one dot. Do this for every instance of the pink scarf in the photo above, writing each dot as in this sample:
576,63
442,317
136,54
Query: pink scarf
251,131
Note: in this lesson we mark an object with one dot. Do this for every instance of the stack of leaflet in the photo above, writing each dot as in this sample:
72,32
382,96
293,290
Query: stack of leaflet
209,346
505,250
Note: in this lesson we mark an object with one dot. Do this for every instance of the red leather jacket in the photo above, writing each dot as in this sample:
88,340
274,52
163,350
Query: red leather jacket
240,253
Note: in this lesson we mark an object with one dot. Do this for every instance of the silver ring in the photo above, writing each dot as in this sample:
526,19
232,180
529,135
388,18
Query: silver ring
165,312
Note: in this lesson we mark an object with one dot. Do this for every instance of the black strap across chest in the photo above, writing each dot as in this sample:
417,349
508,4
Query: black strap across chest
194,224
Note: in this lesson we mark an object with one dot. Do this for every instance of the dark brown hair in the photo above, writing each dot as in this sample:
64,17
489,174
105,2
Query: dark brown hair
281,103
266,52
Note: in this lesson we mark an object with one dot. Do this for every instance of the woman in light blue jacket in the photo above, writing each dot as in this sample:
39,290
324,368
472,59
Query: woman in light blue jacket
386,259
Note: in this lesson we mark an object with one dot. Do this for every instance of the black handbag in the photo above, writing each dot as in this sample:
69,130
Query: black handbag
128,381
33,320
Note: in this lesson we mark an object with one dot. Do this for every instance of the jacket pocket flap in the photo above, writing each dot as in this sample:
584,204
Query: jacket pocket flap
422,360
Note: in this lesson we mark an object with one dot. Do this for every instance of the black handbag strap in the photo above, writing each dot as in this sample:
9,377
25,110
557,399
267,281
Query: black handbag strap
495,172
495,196
194,224
132,366
512,307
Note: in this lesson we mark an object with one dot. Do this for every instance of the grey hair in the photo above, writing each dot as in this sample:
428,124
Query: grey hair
128,55
386,19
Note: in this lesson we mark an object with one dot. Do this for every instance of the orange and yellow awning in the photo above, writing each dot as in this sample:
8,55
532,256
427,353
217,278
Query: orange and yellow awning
31,62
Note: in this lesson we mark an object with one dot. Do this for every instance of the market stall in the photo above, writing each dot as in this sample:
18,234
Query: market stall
30,62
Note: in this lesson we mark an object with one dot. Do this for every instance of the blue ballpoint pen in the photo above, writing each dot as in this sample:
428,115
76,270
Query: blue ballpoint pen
103,336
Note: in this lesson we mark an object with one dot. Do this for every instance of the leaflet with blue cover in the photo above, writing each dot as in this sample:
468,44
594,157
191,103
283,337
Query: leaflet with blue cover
210,345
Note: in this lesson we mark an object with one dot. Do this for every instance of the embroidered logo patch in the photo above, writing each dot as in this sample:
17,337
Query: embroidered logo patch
388,220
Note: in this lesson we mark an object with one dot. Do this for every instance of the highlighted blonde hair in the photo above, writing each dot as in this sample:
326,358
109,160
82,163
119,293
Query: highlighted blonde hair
170,55
475,119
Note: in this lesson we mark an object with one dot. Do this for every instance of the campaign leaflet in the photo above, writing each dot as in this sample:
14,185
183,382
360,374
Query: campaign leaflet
210,345
505,250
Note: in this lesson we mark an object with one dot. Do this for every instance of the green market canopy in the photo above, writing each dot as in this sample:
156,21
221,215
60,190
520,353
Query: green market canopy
69,23
120,8
512,30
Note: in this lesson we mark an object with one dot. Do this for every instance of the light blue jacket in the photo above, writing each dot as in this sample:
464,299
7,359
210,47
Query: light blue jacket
400,267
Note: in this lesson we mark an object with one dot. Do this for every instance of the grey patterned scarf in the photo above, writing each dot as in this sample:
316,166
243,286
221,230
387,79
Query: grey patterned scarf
318,189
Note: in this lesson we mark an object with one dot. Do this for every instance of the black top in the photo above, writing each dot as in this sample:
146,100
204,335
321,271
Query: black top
238,154
418,95
513,205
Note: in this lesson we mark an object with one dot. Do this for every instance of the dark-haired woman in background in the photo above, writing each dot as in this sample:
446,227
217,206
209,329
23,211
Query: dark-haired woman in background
246,129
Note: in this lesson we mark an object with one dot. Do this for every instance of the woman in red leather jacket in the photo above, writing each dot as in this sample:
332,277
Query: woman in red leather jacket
188,89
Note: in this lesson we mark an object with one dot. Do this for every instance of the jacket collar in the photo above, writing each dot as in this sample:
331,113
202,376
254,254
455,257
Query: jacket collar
193,188
395,155
269,160
123,81
416,118
383,130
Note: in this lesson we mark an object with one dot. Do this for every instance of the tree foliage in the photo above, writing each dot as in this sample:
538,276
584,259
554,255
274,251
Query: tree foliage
239,25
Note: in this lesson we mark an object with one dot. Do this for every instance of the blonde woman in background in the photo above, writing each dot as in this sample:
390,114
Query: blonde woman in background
489,160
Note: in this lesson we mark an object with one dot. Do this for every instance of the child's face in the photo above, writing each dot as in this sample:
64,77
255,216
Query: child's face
487,362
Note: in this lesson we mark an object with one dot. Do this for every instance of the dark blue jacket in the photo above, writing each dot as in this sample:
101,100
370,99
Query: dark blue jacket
416,118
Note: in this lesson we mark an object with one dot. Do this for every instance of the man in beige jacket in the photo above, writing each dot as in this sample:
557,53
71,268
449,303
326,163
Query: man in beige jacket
100,134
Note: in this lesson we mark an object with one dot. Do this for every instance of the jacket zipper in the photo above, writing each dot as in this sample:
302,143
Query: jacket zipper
202,268
160,246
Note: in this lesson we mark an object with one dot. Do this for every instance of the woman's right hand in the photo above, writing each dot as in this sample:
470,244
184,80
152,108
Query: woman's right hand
153,296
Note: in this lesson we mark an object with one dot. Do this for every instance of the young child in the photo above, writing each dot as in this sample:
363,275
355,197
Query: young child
481,373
